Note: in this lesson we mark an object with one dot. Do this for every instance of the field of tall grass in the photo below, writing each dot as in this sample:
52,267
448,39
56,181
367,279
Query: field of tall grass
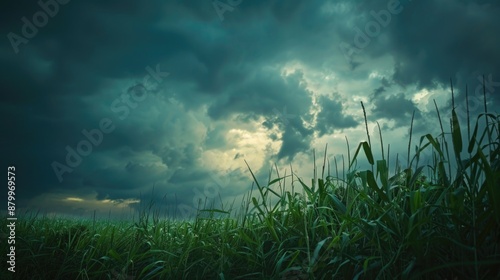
437,220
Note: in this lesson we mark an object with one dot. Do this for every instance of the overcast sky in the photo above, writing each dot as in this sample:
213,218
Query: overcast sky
104,100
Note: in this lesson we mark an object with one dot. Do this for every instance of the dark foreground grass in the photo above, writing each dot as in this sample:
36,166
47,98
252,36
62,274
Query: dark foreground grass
426,221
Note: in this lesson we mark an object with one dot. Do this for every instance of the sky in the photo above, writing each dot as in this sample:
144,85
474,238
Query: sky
109,105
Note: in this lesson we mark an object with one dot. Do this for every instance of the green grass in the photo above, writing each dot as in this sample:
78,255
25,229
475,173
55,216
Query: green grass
425,221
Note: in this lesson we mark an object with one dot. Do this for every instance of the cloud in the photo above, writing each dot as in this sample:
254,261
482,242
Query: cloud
394,107
332,115
255,87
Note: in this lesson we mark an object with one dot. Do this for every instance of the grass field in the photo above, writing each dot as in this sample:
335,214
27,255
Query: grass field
423,221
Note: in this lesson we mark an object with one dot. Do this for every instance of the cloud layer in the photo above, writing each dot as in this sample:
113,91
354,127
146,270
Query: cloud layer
182,92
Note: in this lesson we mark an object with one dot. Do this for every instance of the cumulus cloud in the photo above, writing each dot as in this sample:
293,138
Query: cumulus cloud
254,86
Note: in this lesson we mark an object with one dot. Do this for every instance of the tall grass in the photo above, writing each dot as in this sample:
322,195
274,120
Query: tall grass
432,221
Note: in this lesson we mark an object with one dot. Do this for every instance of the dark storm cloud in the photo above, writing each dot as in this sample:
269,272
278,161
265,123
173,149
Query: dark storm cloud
430,48
296,138
386,104
284,102
394,107
74,71
378,91
429,42
68,62
332,115
262,93
433,41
